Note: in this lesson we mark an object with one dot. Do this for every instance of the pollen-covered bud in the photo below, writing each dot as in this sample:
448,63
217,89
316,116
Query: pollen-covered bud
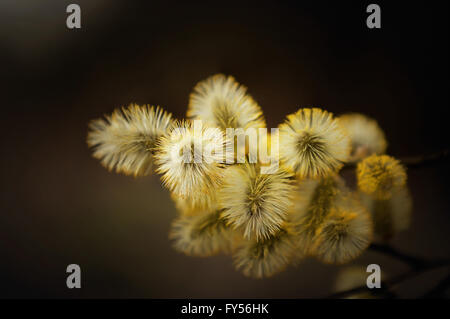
219,101
345,233
313,144
365,134
380,175
390,216
257,203
191,160
205,234
126,140
265,258
312,203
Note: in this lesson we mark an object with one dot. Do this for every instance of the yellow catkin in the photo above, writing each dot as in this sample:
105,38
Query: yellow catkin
345,233
257,203
191,162
390,216
265,258
312,205
365,134
380,175
313,144
205,234
125,141
220,101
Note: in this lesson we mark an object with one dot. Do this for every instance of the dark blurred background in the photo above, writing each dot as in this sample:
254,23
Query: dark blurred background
60,206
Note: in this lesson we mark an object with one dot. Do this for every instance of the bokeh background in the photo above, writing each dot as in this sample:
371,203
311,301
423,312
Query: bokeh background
60,206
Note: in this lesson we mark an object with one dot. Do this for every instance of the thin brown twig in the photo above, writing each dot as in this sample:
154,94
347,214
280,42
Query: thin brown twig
417,161
389,284
413,261
425,160
440,289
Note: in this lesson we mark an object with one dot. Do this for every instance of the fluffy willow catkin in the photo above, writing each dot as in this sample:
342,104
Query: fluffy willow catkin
390,216
266,257
126,140
205,234
345,232
257,203
220,101
380,175
331,223
311,206
313,144
191,160
366,136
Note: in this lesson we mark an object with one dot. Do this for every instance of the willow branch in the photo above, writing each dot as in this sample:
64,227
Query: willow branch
418,161
440,289
426,160
412,261
389,284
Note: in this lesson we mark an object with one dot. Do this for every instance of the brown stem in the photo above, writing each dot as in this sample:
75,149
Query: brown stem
426,160
417,161
440,289
412,261
389,284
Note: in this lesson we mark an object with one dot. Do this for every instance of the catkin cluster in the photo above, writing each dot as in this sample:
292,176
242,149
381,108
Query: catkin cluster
265,218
